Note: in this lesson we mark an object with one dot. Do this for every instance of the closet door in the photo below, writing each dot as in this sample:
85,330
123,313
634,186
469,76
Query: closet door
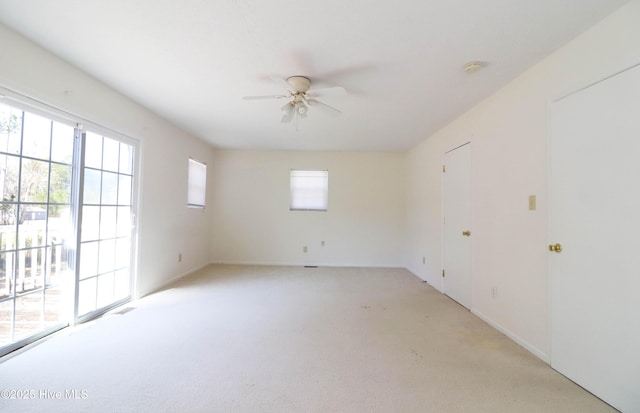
594,251
457,282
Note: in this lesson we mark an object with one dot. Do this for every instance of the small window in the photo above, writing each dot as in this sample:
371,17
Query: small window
197,186
309,190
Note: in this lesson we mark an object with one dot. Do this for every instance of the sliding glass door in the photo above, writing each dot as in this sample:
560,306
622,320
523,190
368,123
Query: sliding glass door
36,157
66,224
106,230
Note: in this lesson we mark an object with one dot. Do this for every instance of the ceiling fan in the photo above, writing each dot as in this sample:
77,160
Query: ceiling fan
299,98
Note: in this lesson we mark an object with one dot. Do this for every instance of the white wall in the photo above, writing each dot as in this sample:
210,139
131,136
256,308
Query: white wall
362,227
166,226
509,132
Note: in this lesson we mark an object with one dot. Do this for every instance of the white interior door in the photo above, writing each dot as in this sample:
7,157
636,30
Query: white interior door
457,225
595,216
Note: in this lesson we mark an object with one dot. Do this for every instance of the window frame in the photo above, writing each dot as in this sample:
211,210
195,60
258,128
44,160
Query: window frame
323,192
196,187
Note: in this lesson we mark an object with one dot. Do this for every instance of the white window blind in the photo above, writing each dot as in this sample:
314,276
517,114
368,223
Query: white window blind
309,190
197,185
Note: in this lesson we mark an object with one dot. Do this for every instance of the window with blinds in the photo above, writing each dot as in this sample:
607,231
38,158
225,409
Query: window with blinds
309,190
197,184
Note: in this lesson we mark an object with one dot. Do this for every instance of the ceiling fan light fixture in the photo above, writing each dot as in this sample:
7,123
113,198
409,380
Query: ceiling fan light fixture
302,108
287,108
299,100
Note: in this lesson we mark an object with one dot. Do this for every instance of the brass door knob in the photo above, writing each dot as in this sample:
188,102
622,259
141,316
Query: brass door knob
466,233
555,248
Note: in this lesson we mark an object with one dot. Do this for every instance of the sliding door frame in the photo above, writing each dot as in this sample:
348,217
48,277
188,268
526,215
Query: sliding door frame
133,261
70,315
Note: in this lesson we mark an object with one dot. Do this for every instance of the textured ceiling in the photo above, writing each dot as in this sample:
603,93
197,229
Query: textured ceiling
192,61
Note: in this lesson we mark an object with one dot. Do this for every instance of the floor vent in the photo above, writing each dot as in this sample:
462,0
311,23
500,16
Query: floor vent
310,266
124,310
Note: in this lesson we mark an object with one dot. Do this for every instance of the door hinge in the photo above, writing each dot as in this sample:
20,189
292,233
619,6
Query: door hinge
443,273
444,169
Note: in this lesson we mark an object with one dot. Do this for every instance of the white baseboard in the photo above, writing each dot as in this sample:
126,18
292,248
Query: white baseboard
302,264
532,349
172,280
415,273
259,263
519,340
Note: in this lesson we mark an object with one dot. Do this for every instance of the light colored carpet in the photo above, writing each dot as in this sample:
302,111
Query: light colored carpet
287,339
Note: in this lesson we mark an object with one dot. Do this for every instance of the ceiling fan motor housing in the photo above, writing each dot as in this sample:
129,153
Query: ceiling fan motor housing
299,83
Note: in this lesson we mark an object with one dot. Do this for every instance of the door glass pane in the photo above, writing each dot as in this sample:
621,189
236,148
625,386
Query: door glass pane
36,138
10,129
92,183
62,137
123,246
33,231
88,259
7,267
59,221
34,181
87,296
124,222
9,172
29,272
109,188
93,151
55,303
29,315
122,284
126,159
6,322
31,267
111,150
90,223
8,230
107,256
108,222
60,184
124,190
58,272
105,289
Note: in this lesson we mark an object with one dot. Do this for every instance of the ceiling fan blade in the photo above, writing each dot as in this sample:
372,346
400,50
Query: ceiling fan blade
328,91
264,97
280,81
324,107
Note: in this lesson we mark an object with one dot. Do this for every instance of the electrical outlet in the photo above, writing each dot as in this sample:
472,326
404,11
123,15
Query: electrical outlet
322,243
305,249
424,259
494,292
180,257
